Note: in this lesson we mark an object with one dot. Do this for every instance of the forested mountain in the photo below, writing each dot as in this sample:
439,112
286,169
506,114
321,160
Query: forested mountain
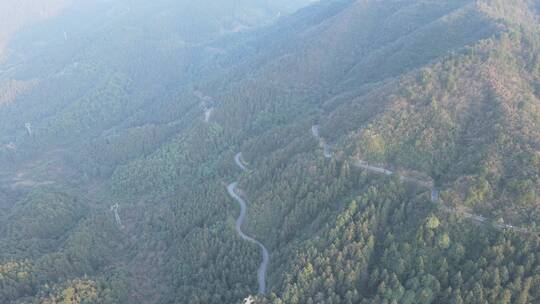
390,153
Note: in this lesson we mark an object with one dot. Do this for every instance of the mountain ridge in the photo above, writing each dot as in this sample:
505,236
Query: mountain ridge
442,92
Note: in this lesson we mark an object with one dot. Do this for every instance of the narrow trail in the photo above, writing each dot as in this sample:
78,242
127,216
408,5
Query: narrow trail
231,189
434,195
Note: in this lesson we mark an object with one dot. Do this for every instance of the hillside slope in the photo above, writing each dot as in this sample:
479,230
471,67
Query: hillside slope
133,156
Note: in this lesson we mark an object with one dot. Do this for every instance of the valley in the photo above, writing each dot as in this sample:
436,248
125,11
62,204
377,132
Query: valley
389,153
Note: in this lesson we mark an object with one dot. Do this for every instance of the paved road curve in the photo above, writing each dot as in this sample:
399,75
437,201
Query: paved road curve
261,273
435,195
327,149
239,163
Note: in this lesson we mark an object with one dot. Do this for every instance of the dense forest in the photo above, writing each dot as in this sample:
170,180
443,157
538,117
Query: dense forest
392,152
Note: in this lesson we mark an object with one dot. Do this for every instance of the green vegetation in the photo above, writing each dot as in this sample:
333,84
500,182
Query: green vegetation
447,90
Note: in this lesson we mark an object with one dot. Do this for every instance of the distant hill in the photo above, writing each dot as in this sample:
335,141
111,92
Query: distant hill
15,15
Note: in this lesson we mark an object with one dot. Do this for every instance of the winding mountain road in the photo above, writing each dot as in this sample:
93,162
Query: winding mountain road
327,149
434,195
231,189
206,104
239,163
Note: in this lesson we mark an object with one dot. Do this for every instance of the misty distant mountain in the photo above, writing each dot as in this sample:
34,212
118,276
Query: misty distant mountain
16,14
